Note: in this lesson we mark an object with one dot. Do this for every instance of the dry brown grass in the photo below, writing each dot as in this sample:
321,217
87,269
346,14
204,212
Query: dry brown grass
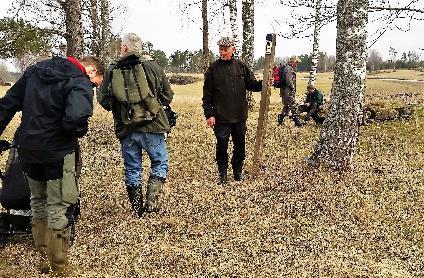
291,221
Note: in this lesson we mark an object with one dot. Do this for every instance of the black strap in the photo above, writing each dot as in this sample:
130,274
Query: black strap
136,83
129,111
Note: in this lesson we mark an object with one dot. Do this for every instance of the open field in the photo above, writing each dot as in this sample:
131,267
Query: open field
291,221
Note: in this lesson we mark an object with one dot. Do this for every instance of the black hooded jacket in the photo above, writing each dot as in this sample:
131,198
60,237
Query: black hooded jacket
56,100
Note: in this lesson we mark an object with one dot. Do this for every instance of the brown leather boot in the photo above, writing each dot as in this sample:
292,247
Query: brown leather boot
57,252
40,235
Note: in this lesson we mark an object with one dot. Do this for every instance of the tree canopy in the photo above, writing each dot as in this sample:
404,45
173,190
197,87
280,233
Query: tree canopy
19,38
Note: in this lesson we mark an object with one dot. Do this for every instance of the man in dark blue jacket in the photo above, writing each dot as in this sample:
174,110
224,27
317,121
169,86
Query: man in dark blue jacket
56,100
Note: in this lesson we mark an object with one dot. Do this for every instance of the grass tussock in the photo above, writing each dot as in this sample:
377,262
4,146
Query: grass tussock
290,221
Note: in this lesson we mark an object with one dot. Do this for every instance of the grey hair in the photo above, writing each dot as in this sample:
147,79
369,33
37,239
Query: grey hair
133,42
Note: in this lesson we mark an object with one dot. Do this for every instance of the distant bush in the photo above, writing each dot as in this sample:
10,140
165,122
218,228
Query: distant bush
178,79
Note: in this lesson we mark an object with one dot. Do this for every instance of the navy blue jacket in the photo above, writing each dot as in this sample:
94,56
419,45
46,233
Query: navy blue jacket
56,100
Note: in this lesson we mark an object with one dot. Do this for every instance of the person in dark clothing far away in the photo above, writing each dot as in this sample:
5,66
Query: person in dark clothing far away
225,106
56,100
312,105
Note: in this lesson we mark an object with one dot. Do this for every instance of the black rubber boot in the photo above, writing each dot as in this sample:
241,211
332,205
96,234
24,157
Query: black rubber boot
154,189
222,179
136,199
297,121
238,172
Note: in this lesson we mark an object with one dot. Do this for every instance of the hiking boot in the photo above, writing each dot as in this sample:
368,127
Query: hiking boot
280,119
222,178
136,199
319,120
154,188
57,252
238,172
297,121
39,233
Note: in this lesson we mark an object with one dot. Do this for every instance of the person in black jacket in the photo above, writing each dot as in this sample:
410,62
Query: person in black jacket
56,100
225,106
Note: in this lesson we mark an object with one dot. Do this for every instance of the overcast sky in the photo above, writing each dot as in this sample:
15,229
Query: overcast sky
161,23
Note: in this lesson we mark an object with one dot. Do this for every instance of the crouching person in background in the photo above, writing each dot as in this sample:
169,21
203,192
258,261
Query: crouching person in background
135,90
312,105
56,100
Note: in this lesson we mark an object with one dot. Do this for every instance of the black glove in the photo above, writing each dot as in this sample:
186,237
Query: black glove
4,145
171,115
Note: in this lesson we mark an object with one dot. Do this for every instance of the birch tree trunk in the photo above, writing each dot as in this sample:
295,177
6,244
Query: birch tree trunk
248,16
73,23
340,132
234,27
315,47
205,35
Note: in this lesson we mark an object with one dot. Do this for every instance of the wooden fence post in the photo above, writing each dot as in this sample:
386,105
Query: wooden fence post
264,105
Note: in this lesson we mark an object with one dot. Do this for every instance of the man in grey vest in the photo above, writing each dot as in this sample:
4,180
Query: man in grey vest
135,137
288,92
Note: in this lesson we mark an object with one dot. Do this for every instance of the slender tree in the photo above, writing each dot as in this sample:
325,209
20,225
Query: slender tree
95,36
248,18
232,4
205,32
315,47
340,132
106,36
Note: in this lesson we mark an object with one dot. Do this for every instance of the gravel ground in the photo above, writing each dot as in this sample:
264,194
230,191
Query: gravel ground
290,221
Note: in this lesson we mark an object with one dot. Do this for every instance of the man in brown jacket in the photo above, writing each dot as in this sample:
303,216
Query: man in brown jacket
225,106
288,92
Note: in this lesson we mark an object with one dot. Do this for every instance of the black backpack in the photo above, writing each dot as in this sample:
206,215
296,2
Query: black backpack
15,193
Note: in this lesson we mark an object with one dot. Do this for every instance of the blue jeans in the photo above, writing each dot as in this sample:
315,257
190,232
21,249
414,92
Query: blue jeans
154,145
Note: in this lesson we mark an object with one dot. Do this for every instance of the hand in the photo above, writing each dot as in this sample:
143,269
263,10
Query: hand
210,122
4,145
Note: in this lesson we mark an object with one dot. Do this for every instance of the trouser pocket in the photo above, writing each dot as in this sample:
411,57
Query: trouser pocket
70,191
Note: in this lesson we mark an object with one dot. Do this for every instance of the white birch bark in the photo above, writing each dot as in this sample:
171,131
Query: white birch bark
340,131
315,47
232,4
248,16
